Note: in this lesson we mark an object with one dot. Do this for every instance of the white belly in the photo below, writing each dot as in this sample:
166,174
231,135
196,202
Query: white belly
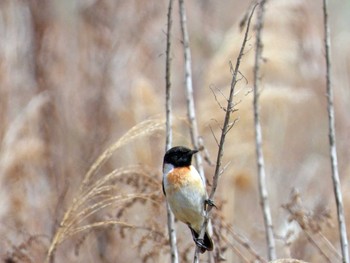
188,207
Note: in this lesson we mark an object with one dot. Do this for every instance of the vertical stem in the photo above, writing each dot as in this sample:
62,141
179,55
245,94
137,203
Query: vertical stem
189,88
191,113
258,139
332,140
168,143
168,128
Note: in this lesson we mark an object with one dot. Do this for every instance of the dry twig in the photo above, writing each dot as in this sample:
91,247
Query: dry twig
189,96
168,131
332,140
189,87
225,128
258,139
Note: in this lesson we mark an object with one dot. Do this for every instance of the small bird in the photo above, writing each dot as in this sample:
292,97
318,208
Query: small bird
185,191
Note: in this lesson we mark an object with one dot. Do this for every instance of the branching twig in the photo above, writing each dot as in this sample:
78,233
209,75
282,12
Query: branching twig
332,142
228,113
229,110
258,139
168,143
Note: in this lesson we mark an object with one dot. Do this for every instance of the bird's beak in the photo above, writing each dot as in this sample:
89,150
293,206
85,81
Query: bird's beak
194,151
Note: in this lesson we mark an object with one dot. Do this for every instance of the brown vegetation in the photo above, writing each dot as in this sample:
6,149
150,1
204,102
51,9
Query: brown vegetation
76,76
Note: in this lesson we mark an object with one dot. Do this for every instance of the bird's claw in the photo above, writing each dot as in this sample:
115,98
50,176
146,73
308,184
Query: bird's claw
200,244
210,202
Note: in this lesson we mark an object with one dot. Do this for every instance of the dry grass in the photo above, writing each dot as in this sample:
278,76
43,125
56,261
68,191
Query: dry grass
96,194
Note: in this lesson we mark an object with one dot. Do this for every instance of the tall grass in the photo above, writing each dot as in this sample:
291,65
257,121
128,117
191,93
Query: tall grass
97,193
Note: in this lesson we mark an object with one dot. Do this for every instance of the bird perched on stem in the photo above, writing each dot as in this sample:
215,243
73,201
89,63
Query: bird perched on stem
186,194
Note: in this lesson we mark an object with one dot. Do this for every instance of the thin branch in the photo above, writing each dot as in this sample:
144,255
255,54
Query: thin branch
216,99
225,127
168,130
271,252
212,132
243,77
168,143
228,112
225,167
230,125
332,140
189,87
189,95
205,151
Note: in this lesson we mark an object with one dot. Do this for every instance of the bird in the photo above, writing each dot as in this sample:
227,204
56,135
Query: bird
185,192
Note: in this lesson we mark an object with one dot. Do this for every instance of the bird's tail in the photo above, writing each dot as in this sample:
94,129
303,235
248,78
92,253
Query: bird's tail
205,244
208,242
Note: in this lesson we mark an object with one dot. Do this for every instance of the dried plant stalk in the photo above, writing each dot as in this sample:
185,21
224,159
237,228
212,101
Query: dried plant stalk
225,128
191,112
263,192
168,132
95,195
311,225
332,140
142,129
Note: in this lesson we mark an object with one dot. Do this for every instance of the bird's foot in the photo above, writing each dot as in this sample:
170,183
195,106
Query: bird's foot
200,244
210,202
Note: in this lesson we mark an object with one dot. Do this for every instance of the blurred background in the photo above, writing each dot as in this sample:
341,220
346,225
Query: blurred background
77,75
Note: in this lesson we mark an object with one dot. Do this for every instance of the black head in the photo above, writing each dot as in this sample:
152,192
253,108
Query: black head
179,156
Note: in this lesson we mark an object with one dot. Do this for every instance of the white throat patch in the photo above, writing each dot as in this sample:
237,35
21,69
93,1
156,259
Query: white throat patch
167,168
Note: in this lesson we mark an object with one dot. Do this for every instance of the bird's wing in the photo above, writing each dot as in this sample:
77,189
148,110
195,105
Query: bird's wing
163,187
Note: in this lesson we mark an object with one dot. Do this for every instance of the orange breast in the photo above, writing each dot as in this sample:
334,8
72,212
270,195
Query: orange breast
183,176
179,176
